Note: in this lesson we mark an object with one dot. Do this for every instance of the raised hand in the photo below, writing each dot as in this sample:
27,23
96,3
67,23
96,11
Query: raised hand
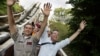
46,10
10,2
82,25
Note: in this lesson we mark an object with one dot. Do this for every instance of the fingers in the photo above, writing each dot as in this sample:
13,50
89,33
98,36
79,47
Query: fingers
10,2
44,5
47,6
84,22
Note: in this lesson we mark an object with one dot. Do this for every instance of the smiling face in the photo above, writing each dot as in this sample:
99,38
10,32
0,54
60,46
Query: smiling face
54,36
28,29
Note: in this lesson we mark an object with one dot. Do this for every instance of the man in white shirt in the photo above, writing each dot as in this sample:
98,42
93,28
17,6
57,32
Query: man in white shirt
45,38
51,49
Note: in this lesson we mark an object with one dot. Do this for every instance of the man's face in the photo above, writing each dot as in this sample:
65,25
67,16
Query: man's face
54,36
28,29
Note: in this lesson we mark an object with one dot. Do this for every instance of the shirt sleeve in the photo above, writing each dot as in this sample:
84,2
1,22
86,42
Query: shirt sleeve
44,36
62,43
15,35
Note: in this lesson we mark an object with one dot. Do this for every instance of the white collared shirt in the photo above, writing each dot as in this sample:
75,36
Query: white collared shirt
51,49
44,38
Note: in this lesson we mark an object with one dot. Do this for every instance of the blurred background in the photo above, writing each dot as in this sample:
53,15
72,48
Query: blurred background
65,16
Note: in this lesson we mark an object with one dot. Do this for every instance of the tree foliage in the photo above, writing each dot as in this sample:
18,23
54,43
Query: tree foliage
3,8
61,11
87,43
61,14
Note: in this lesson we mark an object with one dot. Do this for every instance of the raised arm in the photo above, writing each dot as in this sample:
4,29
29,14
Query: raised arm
81,27
46,12
11,22
65,42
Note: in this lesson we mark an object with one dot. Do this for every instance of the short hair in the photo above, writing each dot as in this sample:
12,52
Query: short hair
29,24
54,30
33,24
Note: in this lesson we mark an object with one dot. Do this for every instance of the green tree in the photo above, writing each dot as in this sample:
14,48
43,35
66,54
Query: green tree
87,42
61,14
3,8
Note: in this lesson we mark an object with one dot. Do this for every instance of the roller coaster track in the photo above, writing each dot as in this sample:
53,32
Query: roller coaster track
25,17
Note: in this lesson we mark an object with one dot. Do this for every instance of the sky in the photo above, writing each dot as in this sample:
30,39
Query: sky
55,3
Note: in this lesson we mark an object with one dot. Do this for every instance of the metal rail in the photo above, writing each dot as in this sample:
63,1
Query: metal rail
27,16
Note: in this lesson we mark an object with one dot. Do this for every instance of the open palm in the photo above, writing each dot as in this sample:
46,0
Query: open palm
46,10
82,24
10,2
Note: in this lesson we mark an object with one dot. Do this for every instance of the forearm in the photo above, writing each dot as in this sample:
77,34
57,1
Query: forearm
11,21
46,12
73,36
44,24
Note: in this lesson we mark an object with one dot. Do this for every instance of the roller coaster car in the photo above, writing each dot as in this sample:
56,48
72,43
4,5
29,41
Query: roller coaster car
4,36
10,52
